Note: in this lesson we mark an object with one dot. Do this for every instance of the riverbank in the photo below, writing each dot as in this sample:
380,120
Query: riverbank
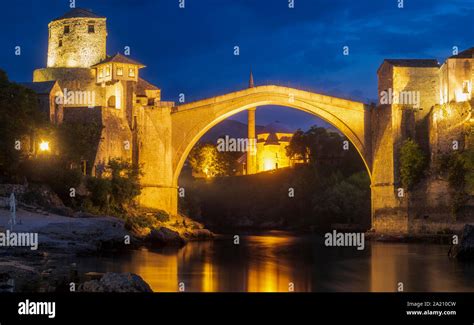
62,238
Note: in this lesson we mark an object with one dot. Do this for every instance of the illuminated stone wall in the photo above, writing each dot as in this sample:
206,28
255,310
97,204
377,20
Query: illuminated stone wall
155,156
116,137
456,77
392,124
428,207
79,80
77,48
450,124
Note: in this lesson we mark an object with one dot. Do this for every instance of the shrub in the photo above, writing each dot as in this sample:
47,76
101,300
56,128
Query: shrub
119,189
142,221
100,190
413,163
458,168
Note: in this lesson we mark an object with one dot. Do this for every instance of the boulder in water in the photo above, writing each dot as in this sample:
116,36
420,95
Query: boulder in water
165,236
116,282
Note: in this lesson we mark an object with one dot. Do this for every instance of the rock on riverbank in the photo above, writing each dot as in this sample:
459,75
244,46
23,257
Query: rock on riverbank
116,282
61,238
465,249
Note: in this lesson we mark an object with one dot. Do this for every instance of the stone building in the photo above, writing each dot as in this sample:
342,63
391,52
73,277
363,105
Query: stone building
271,147
270,153
431,103
84,84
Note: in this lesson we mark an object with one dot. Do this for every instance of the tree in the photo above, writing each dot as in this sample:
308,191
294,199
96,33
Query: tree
413,163
324,150
342,200
298,148
206,159
20,117
124,180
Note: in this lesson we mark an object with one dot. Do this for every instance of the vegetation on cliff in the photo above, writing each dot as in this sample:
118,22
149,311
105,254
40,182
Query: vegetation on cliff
413,163
457,168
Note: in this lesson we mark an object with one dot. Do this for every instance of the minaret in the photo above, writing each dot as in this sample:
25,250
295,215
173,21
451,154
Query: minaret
252,147
251,84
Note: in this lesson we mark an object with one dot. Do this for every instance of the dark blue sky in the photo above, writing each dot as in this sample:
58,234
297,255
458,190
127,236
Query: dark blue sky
191,50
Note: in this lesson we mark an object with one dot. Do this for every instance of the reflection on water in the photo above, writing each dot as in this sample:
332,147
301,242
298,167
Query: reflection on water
276,261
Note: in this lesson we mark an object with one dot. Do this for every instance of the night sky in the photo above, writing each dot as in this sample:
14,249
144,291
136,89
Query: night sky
191,50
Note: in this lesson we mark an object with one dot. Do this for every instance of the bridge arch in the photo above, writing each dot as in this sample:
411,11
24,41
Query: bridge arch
191,121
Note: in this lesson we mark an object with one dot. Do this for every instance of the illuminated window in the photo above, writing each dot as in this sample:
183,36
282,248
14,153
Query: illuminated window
101,73
91,29
66,29
119,71
107,71
131,72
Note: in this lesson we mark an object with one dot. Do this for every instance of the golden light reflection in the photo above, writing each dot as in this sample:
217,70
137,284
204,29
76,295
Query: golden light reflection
161,274
208,284
265,275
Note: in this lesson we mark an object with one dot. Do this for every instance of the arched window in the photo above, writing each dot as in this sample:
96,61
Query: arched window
111,101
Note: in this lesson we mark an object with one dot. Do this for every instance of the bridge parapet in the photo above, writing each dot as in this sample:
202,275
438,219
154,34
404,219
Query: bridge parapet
290,93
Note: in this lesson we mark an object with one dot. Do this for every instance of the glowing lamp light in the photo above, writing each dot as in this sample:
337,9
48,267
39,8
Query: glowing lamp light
44,146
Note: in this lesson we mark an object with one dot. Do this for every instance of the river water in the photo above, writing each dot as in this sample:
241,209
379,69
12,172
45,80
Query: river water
281,261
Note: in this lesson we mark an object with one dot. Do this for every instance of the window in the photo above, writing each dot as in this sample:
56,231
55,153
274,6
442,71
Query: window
107,71
60,43
466,86
91,28
66,29
101,73
131,72
119,71
111,102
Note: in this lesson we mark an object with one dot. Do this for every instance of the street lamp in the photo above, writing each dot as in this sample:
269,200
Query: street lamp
44,146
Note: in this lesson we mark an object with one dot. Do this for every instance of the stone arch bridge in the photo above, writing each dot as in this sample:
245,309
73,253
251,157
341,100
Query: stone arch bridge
167,134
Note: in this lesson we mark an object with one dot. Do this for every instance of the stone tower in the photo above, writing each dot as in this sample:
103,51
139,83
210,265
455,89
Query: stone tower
77,40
